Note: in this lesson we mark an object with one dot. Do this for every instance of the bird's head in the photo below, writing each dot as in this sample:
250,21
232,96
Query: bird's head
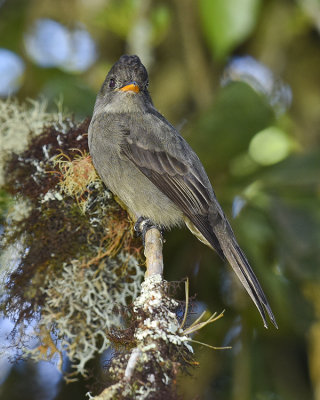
125,88
128,74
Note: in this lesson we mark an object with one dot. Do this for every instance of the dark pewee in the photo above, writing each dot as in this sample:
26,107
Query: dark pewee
148,165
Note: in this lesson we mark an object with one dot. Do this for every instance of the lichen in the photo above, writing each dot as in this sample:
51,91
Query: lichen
82,306
149,371
18,122
69,257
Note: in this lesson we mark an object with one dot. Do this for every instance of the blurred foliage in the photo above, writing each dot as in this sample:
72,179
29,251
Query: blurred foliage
227,23
186,46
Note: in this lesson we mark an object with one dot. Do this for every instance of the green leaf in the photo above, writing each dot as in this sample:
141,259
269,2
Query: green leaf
227,23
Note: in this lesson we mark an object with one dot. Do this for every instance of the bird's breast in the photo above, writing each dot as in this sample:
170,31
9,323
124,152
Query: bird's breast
126,181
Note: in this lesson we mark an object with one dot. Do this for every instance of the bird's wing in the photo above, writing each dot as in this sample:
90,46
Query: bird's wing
173,167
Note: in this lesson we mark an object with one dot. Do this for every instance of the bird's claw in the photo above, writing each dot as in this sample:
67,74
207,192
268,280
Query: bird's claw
142,226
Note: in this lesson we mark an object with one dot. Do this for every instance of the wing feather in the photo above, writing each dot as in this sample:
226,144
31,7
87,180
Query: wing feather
179,182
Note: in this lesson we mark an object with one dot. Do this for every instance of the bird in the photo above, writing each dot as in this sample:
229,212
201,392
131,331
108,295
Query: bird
145,162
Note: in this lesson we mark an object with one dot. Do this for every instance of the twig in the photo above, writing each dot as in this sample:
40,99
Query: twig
187,304
134,357
197,325
153,252
209,345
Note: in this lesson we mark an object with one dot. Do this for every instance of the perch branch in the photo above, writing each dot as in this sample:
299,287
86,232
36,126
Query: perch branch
161,344
153,252
151,366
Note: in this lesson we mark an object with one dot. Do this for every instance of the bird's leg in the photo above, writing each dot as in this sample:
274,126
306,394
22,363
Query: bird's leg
142,226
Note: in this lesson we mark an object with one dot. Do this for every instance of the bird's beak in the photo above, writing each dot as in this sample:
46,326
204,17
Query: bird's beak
132,86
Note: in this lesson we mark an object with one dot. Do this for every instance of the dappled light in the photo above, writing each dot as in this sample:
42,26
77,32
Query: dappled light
11,72
270,146
50,44
260,78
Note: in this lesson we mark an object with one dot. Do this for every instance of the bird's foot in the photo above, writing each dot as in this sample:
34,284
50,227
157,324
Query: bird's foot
142,226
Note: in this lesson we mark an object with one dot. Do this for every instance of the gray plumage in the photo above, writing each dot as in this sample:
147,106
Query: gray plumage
145,162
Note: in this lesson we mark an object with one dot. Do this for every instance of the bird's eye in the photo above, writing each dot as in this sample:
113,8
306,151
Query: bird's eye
112,83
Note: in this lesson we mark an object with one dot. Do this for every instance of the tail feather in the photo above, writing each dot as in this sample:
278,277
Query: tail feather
219,236
243,270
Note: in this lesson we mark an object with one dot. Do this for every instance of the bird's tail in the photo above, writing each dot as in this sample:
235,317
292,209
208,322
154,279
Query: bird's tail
241,267
220,237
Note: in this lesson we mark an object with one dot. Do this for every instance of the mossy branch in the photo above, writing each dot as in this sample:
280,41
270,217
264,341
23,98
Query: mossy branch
76,267
162,348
